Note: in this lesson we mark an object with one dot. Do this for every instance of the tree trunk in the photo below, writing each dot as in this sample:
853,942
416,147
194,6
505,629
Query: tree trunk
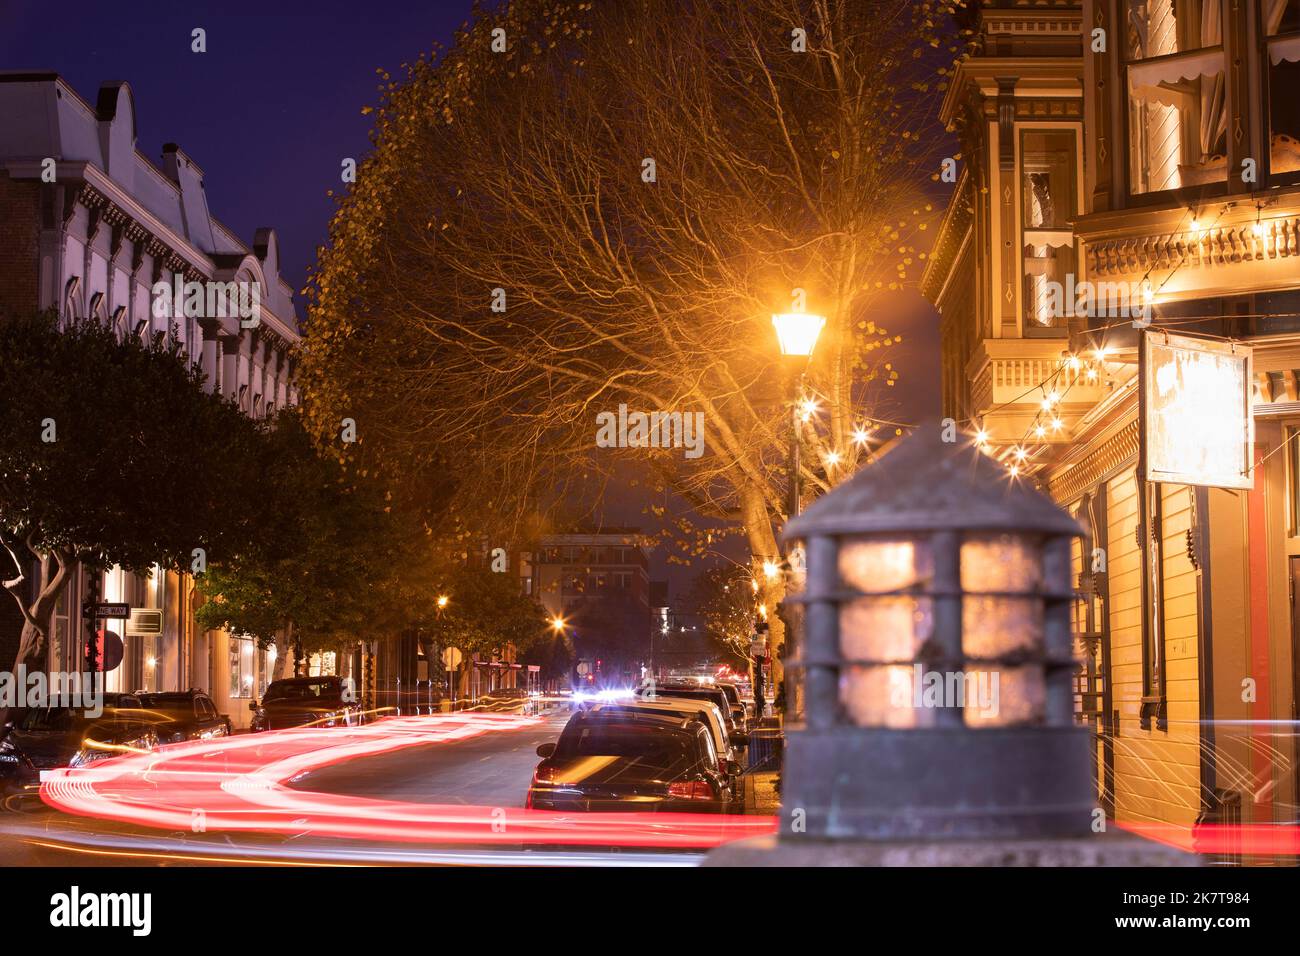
763,545
54,568
282,647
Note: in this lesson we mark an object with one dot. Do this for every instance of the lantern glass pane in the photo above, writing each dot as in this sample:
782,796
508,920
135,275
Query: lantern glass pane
994,624
999,623
1005,696
889,628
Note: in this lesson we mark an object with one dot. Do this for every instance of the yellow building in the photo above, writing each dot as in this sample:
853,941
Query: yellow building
1129,167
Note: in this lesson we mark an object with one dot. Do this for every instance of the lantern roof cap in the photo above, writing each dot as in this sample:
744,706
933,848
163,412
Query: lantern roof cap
926,484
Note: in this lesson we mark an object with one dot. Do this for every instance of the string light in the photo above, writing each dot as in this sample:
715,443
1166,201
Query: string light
832,458
860,435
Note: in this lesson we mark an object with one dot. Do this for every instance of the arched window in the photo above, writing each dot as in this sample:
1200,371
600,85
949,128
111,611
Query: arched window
71,301
98,309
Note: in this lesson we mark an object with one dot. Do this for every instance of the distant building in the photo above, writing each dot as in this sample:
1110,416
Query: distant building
88,226
598,582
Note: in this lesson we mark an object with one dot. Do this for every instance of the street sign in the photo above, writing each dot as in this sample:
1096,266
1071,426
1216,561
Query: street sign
108,610
451,658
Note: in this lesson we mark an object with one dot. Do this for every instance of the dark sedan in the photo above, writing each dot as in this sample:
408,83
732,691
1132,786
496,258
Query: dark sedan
46,739
630,762
185,715
304,702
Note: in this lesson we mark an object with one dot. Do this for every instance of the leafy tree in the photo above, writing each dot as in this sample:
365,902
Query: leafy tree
723,597
484,611
621,201
328,559
111,453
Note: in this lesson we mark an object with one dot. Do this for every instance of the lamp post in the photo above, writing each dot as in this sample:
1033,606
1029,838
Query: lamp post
938,668
796,334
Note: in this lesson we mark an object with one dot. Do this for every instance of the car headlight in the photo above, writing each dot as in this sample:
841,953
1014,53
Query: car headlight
88,755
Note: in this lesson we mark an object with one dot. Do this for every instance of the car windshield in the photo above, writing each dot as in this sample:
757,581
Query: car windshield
648,744
167,702
305,690
53,718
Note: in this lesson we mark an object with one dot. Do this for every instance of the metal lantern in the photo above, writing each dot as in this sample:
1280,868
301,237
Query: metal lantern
937,665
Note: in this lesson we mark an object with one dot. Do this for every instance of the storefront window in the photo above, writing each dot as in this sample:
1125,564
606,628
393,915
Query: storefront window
1178,117
241,666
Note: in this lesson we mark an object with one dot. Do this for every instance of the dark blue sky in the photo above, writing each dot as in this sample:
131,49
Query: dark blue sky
268,112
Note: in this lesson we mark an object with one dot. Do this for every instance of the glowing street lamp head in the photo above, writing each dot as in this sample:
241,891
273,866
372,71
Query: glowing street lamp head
557,623
771,570
442,600
797,332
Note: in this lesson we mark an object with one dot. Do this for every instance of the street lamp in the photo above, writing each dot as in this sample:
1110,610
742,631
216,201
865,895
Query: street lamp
797,332
938,660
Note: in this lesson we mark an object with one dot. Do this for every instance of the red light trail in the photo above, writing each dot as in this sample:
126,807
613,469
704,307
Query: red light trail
238,784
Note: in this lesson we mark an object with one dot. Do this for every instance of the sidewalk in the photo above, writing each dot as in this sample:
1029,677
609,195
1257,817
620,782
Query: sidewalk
761,798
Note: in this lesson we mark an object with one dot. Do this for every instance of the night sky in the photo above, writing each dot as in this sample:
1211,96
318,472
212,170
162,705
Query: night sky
274,105
268,112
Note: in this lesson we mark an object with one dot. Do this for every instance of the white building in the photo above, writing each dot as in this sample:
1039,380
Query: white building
88,226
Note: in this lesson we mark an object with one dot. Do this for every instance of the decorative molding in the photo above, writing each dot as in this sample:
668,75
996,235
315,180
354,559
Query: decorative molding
1117,453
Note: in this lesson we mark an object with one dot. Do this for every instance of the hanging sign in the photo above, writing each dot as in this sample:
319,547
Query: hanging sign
1198,425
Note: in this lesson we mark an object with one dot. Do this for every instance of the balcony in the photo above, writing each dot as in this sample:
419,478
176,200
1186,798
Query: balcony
1012,378
1229,247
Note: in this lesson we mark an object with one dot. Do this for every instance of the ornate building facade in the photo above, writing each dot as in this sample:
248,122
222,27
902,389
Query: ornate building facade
89,226
1130,167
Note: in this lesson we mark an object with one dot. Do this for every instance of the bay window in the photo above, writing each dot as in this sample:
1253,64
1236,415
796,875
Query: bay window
1282,27
1177,102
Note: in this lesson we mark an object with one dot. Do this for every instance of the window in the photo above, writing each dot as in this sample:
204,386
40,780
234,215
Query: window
1282,25
241,666
1048,198
623,580
1178,117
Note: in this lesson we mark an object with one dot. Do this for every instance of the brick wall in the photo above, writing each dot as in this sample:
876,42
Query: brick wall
19,244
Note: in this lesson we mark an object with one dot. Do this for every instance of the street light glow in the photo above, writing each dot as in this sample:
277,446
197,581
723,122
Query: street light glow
797,332
442,600
770,570
557,623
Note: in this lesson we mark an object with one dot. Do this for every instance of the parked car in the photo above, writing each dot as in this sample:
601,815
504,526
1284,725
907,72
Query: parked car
306,701
714,695
727,746
738,708
185,715
51,738
625,760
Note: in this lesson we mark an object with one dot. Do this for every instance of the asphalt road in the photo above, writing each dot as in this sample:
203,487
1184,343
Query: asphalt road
490,770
